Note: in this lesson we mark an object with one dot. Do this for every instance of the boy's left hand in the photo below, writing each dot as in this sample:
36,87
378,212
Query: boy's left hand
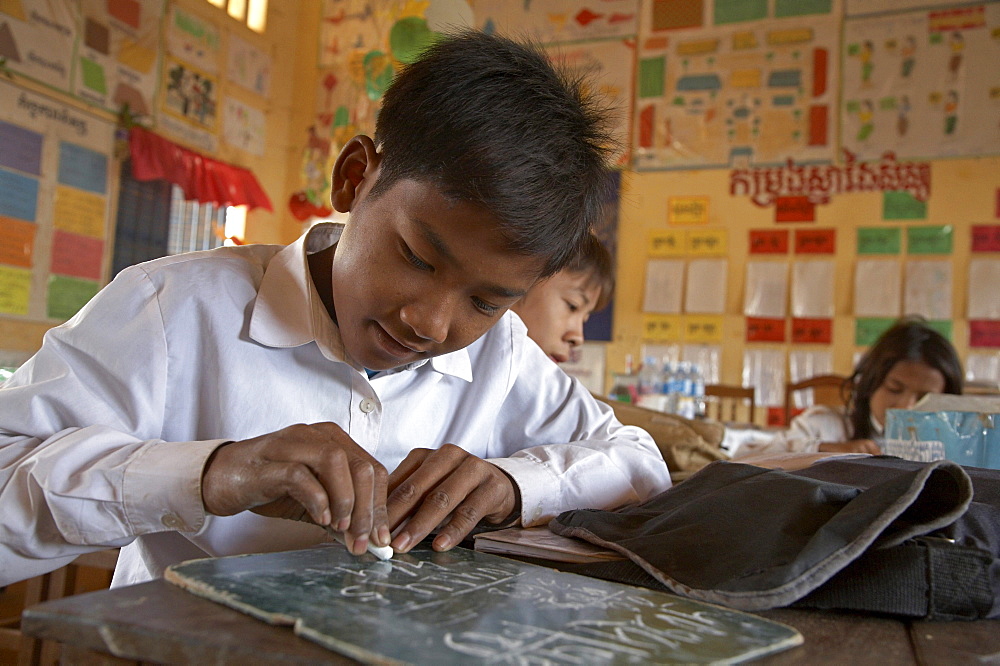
432,485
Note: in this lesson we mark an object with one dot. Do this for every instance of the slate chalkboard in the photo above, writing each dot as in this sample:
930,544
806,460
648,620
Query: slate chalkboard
464,606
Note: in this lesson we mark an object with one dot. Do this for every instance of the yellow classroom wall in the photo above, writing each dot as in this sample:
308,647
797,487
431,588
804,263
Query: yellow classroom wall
963,194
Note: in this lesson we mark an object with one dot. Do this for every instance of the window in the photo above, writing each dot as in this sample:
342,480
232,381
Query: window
193,225
251,12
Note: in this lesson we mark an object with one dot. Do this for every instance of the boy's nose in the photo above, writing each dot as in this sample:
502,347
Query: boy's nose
574,337
428,320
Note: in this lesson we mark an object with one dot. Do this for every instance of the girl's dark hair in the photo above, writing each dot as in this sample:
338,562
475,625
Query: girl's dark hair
595,260
491,121
909,339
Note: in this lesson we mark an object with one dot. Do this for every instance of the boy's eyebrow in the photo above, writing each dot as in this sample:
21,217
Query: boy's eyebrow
442,248
435,240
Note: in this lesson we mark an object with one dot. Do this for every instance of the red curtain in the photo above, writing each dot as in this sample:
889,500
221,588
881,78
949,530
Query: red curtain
203,179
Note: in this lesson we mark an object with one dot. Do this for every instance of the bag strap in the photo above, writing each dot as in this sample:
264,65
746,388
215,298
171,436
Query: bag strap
927,577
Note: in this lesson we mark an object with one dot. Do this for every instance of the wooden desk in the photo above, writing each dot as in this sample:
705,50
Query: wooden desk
160,622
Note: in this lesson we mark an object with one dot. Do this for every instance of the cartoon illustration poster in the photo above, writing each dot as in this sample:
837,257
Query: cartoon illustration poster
190,94
609,65
551,21
37,39
361,43
721,85
922,83
118,58
249,66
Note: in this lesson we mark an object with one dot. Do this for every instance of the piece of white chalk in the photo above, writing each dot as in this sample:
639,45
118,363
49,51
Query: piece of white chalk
381,552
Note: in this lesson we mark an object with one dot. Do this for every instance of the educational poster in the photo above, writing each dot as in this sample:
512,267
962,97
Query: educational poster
193,40
360,44
243,126
733,84
118,59
922,83
609,65
54,212
548,21
190,95
248,66
37,38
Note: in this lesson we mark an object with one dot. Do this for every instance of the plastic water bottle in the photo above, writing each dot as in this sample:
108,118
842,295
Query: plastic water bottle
671,387
685,394
650,383
699,391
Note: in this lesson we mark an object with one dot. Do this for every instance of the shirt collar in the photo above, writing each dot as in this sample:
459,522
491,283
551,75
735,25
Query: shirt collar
288,311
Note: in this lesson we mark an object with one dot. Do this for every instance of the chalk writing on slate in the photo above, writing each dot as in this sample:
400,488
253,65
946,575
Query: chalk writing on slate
462,606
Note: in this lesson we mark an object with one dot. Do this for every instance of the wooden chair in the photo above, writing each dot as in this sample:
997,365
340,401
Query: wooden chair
56,584
723,402
826,390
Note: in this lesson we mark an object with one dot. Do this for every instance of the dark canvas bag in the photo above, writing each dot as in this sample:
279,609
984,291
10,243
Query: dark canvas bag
877,534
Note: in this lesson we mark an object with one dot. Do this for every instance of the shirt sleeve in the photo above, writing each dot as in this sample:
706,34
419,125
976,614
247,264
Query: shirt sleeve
818,424
82,467
566,450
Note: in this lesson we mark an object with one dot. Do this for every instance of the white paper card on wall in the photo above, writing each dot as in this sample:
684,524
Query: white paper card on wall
708,358
764,369
803,365
664,286
984,280
928,289
766,292
705,288
983,367
812,288
883,301
587,364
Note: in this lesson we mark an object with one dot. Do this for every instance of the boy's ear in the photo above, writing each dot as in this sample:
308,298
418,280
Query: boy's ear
357,161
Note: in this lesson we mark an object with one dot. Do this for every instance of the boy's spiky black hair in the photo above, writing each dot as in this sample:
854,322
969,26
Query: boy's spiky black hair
491,121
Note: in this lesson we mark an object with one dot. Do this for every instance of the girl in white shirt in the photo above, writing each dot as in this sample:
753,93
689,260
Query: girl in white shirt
908,361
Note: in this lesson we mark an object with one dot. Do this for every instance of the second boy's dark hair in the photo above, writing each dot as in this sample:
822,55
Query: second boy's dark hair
910,339
492,122
595,260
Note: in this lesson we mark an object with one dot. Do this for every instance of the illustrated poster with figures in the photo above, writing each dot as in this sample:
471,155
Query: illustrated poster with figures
922,83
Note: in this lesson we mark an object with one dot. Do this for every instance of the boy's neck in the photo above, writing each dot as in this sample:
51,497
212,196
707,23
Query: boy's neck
321,271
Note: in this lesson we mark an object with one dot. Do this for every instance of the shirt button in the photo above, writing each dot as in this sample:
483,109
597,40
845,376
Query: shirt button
367,405
172,521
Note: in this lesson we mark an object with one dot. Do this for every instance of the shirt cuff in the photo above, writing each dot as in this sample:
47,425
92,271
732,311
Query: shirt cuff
162,487
533,479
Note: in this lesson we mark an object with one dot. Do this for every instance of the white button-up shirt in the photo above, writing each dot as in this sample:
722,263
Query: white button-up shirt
104,433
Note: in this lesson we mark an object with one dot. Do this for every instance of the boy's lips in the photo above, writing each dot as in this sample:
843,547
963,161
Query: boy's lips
391,345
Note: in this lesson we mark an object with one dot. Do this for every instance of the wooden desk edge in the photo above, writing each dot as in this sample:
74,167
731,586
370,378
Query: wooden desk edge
186,632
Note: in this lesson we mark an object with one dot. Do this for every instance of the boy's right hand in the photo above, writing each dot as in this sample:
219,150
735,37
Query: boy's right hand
312,469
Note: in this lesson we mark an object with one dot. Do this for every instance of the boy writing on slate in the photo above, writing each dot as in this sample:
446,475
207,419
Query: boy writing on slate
366,378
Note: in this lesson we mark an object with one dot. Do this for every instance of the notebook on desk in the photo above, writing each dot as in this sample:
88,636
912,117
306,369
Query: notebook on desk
464,606
542,543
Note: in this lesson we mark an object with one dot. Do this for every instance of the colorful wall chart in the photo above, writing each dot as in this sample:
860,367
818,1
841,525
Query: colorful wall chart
105,52
551,21
730,83
54,165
